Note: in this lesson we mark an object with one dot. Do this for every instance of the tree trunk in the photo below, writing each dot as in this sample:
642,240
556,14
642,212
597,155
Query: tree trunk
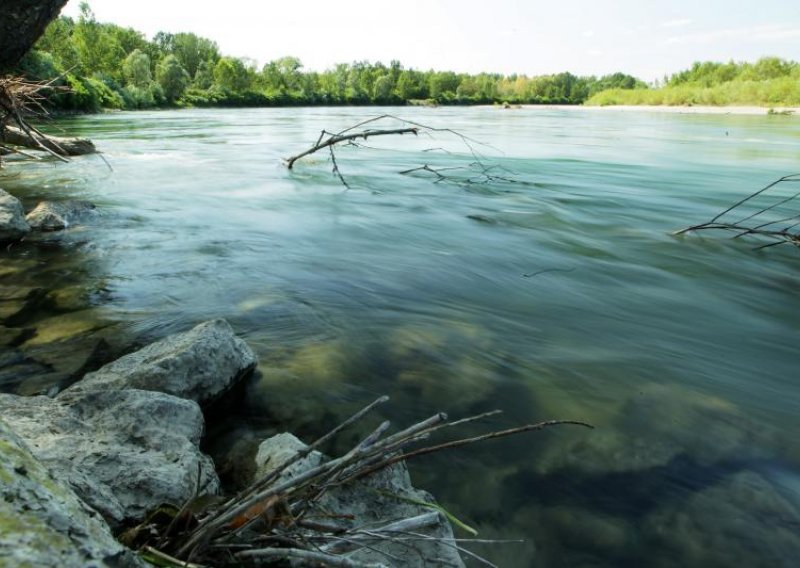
55,144
22,22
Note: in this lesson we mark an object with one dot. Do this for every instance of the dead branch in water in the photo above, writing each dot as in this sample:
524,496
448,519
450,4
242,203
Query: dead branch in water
338,138
762,214
477,172
274,518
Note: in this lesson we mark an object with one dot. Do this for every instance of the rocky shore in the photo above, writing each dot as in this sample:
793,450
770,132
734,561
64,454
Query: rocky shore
80,466
95,455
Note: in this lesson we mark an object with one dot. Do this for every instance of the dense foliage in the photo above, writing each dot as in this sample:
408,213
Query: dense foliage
770,81
109,66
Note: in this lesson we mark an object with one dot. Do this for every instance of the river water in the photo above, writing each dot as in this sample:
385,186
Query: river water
560,294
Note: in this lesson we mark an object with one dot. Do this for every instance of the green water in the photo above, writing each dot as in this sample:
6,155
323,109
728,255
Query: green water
681,351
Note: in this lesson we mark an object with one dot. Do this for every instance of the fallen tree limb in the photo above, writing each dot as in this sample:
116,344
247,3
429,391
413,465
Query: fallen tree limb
339,138
36,140
477,172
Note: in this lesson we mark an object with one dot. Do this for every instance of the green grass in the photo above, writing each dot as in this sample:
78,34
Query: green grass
783,91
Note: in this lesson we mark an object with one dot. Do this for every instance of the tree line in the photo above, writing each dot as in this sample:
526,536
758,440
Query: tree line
770,81
109,66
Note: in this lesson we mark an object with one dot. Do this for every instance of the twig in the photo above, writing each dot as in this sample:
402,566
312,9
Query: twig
753,223
277,504
265,555
546,270
174,562
464,441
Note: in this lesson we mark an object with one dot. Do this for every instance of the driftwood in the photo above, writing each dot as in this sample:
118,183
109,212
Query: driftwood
18,100
36,140
272,520
478,171
767,213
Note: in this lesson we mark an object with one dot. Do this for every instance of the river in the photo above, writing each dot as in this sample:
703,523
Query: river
558,292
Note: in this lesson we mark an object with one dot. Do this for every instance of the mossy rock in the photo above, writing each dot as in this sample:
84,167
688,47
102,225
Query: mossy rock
43,523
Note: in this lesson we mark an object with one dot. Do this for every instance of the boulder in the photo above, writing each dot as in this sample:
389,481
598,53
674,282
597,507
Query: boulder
43,523
122,452
381,498
58,215
12,218
200,365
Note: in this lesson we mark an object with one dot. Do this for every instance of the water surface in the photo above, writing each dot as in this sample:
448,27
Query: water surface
563,295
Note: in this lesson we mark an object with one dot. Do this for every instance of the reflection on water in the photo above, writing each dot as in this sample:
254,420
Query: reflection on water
682,351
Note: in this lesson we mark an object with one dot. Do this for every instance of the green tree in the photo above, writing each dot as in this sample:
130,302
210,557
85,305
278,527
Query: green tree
58,42
172,78
136,69
204,77
230,74
192,50
382,90
98,50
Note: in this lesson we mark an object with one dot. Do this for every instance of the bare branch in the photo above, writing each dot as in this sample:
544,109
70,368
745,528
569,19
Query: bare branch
761,222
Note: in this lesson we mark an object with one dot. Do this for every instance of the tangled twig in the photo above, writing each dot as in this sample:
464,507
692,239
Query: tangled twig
270,521
20,99
765,213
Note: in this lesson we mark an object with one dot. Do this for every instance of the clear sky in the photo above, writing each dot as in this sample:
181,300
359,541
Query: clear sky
646,38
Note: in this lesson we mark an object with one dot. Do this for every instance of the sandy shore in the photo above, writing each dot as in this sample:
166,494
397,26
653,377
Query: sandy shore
752,110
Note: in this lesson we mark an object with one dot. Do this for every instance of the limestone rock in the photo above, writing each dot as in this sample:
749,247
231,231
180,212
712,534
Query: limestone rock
369,501
122,452
43,523
12,218
58,215
199,364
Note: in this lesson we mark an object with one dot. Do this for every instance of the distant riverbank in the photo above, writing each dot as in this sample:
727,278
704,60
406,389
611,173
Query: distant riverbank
699,109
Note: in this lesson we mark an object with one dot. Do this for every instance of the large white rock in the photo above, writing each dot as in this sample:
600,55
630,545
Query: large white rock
199,364
12,218
122,452
381,498
43,523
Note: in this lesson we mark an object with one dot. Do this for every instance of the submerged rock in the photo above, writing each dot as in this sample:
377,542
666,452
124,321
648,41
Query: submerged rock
123,452
17,300
381,498
743,520
12,218
200,364
43,523
58,215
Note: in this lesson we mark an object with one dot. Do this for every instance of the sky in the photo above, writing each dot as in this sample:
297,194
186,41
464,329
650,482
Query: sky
646,38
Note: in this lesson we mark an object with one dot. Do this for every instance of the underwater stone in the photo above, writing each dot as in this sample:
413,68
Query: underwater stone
12,218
